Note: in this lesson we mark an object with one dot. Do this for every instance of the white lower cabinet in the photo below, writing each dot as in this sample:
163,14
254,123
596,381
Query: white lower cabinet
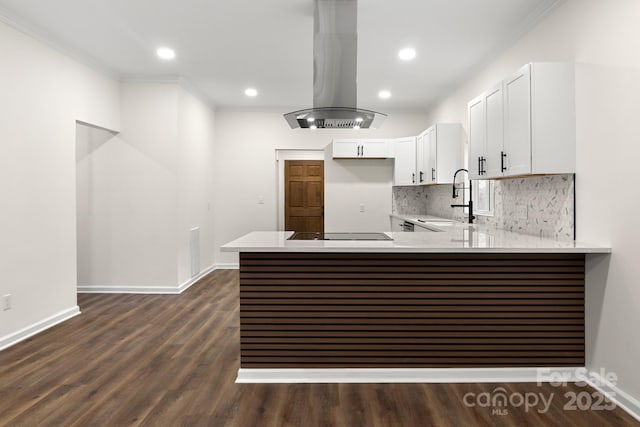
397,224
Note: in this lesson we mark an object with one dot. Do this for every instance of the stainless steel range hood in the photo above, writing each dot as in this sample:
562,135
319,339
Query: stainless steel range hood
334,71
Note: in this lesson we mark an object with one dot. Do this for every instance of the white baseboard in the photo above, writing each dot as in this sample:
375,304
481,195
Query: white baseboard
113,289
228,266
186,285
397,375
622,399
21,335
167,290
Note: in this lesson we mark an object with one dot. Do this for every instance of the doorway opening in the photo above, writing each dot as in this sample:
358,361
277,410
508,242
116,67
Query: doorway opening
304,196
300,190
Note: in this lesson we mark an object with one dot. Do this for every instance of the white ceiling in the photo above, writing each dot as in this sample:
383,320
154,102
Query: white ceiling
224,46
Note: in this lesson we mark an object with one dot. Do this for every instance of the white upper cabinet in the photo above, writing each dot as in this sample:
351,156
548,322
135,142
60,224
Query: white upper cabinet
494,132
516,155
404,168
362,149
525,125
439,153
477,141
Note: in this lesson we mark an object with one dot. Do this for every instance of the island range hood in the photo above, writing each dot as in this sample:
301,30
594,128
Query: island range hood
334,71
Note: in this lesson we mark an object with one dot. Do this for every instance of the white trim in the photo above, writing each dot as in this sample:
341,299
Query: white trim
398,375
284,154
40,326
118,289
186,285
168,290
46,38
622,399
228,266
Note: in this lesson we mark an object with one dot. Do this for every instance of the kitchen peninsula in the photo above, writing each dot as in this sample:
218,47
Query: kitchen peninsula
467,297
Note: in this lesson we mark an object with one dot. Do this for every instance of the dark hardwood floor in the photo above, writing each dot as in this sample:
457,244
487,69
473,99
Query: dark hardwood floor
171,360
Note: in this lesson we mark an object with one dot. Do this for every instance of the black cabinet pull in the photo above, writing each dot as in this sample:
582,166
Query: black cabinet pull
502,156
421,176
413,178
479,165
433,174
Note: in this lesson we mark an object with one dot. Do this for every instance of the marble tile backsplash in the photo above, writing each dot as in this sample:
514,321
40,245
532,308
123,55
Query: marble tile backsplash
409,200
539,205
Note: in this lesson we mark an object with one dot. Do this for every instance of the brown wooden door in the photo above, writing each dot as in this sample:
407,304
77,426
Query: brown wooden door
304,195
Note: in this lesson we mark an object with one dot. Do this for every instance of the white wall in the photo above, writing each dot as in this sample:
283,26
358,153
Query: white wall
43,94
133,188
245,169
196,124
146,188
351,183
602,35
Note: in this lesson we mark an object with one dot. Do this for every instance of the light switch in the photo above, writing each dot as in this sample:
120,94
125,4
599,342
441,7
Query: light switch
361,207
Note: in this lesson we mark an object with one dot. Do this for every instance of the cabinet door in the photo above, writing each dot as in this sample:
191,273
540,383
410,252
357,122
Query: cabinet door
476,109
346,148
494,132
404,169
449,146
421,166
374,149
397,224
433,156
424,159
517,123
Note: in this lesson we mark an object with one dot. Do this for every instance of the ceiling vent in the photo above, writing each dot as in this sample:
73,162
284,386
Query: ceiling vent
334,71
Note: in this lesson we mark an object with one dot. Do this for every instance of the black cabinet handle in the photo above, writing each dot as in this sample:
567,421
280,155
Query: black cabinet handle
362,150
479,165
421,175
502,156
433,174
483,165
413,178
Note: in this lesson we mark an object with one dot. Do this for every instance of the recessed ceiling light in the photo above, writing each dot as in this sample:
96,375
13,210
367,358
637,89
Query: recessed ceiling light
384,94
359,119
165,53
313,127
310,119
407,54
251,92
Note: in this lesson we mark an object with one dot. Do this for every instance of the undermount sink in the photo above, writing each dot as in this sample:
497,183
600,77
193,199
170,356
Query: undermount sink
438,220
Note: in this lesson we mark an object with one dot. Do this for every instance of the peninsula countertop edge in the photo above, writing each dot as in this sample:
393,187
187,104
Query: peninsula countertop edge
461,238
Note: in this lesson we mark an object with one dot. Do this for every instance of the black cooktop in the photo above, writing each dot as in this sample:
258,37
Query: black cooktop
339,236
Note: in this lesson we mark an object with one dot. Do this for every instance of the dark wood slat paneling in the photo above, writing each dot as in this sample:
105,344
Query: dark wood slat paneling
394,310
357,283
413,341
386,320
517,316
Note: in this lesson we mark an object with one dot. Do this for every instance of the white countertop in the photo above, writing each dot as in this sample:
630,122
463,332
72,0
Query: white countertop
456,237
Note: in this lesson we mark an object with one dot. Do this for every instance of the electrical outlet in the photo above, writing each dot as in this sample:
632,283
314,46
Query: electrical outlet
6,302
361,207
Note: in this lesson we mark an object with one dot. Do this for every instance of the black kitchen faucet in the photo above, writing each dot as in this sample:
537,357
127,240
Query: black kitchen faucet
455,196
